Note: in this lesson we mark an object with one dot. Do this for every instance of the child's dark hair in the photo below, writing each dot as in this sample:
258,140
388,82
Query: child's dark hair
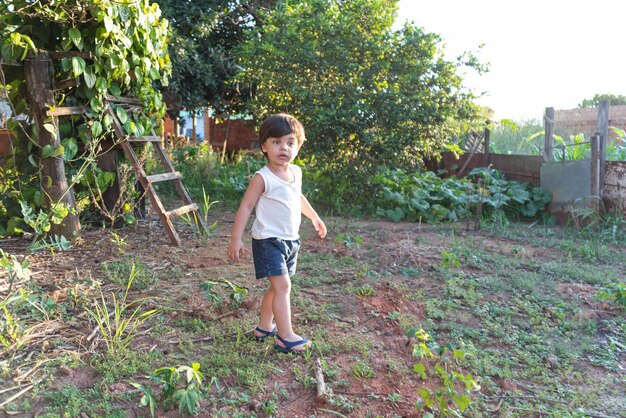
279,125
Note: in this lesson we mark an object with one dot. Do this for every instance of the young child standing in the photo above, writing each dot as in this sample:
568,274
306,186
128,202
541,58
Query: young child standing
275,192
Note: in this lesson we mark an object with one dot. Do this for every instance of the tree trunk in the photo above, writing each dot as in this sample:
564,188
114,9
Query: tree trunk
38,73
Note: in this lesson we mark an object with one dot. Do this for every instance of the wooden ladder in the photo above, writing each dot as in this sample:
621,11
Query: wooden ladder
127,142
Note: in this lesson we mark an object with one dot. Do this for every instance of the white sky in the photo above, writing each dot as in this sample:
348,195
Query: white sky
542,53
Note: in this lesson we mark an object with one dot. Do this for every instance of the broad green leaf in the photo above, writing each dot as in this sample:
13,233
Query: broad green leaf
71,148
78,66
50,128
47,151
96,129
121,114
60,150
108,24
90,77
75,36
101,84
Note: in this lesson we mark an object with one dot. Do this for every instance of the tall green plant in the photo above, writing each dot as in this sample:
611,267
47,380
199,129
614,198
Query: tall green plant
119,324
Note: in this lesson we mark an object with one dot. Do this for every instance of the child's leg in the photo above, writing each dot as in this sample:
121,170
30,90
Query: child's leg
266,318
281,306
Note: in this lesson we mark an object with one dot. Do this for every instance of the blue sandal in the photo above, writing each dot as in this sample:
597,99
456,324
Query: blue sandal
266,334
289,345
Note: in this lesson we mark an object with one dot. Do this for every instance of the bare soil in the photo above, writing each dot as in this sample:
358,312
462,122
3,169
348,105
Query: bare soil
364,326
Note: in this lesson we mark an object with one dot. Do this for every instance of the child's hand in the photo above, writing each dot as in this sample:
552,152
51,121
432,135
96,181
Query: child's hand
319,227
235,250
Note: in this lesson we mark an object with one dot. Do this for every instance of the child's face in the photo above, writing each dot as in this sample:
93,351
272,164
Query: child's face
281,150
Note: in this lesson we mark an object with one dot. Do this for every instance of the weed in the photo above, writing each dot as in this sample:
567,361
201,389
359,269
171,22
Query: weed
365,291
182,385
362,370
120,271
236,296
117,328
449,260
615,292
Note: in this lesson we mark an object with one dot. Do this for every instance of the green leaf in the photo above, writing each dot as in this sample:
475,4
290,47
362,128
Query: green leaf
71,148
75,36
96,129
31,160
78,66
90,77
60,150
47,151
121,114
50,128
108,24
101,84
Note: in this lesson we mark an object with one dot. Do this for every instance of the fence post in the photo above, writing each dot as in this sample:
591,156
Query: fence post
548,123
603,131
486,145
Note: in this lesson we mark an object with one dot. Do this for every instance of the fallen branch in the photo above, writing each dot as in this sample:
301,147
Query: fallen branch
17,395
319,377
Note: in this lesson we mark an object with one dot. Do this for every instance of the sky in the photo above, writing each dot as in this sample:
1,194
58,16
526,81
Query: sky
541,53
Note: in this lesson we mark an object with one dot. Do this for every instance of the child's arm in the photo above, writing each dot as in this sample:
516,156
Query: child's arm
309,212
236,248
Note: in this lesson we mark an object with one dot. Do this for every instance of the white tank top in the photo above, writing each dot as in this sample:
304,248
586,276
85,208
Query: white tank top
279,209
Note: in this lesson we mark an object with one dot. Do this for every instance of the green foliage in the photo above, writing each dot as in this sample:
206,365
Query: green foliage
424,196
182,385
204,34
614,100
236,294
616,148
508,137
615,292
446,399
367,95
202,170
126,43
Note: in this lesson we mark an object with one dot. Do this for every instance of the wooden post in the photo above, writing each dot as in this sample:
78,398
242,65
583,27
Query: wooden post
38,74
486,150
193,128
548,123
603,131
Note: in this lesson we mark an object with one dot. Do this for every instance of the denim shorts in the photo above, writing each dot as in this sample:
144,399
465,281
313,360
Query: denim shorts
274,257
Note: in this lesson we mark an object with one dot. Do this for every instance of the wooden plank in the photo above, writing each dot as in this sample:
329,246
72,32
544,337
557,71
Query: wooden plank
181,210
145,139
155,178
70,54
125,100
66,84
65,111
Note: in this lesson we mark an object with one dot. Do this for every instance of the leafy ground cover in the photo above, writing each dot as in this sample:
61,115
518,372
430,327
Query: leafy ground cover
407,319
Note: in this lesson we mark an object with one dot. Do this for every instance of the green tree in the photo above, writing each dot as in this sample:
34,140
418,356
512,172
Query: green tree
105,47
368,95
204,34
614,100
